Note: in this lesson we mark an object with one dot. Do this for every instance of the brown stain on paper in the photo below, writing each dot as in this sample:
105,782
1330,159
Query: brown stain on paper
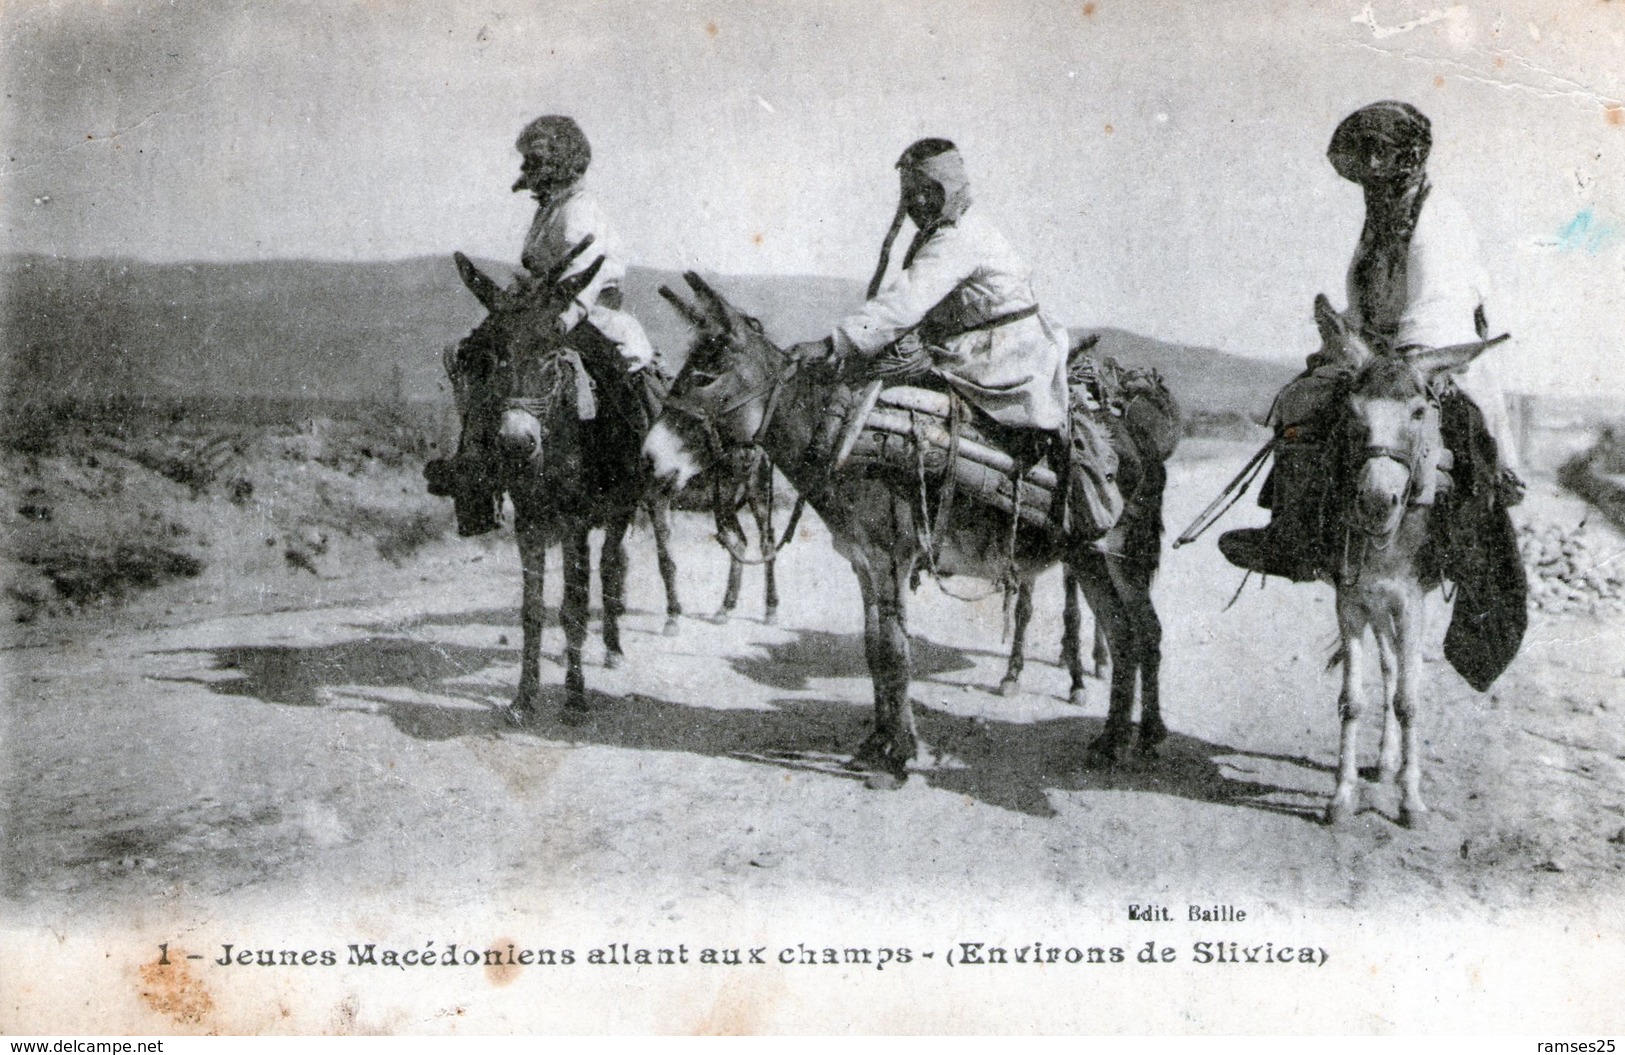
711,30
501,974
742,1009
172,989
1615,115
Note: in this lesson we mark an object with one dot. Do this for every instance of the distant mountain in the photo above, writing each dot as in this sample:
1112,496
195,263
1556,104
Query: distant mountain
310,329
1204,380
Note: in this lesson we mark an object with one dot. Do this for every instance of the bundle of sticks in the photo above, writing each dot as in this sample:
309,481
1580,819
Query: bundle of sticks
908,430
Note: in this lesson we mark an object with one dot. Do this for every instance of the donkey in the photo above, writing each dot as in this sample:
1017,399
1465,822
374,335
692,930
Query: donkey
1148,420
739,388
571,431
1387,475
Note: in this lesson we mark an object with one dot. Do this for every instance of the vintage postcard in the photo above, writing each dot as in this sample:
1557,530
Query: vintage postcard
372,665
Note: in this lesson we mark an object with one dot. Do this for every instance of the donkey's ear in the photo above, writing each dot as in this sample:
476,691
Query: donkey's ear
1432,362
557,272
716,309
570,287
1332,326
1082,348
486,291
690,314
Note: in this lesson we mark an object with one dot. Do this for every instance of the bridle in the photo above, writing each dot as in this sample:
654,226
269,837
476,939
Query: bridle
730,535
716,446
1410,457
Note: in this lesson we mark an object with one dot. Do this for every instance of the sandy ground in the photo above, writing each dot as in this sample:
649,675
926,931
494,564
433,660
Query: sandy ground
328,768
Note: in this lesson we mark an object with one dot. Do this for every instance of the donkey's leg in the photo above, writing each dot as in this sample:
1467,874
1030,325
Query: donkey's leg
1408,707
1352,621
532,617
730,596
891,673
871,753
577,581
1112,617
1133,582
1071,637
1018,643
612,581
1388,659
660,519
762,510
1102,654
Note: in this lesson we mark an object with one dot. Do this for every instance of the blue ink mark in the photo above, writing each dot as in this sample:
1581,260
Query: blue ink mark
1585,232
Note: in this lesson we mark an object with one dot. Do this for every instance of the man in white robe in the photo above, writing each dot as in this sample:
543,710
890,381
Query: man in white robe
962,303
556,155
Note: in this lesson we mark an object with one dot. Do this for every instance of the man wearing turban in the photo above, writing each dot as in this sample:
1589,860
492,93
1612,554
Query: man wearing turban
1415,281
961,305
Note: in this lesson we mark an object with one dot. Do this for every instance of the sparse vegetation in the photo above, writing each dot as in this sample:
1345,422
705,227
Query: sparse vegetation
95,517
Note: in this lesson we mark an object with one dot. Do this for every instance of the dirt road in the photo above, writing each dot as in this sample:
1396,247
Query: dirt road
336,772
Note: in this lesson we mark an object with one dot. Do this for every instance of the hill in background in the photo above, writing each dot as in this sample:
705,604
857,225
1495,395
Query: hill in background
300,330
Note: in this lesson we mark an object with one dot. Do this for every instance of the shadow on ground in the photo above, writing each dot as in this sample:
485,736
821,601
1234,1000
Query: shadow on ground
1012,765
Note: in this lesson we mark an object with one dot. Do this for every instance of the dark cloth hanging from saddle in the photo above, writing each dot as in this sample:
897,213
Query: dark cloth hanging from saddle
1477,549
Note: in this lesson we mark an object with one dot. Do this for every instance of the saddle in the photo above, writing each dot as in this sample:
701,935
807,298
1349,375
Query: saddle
930,441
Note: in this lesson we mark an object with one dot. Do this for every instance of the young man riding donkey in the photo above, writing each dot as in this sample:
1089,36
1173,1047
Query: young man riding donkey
960,316
1415,282
942,472
555,155
1389,477
556,394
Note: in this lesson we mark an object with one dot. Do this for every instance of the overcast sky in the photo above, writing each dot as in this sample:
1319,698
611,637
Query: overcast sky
1161,164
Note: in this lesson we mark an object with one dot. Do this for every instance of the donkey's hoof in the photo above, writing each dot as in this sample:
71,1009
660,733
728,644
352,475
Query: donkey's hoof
1102,754
721,617
871,754
1078,697
770,617
885,780
614,660
1009,686
1339,812
671,627
1152,735
519,713
1416,819
575,715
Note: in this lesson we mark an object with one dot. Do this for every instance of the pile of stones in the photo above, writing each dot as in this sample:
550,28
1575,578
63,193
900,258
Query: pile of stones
1571,569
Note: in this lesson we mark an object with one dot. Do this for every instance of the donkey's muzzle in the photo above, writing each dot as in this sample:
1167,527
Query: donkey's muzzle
520,434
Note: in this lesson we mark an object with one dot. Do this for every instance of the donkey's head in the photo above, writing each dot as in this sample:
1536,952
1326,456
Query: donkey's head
723,396
519,356
1391,427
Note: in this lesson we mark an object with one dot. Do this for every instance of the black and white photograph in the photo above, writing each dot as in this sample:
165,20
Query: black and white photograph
729,517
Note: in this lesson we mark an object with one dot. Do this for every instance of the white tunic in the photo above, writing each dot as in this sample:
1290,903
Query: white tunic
559,227
1445,283
963,275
